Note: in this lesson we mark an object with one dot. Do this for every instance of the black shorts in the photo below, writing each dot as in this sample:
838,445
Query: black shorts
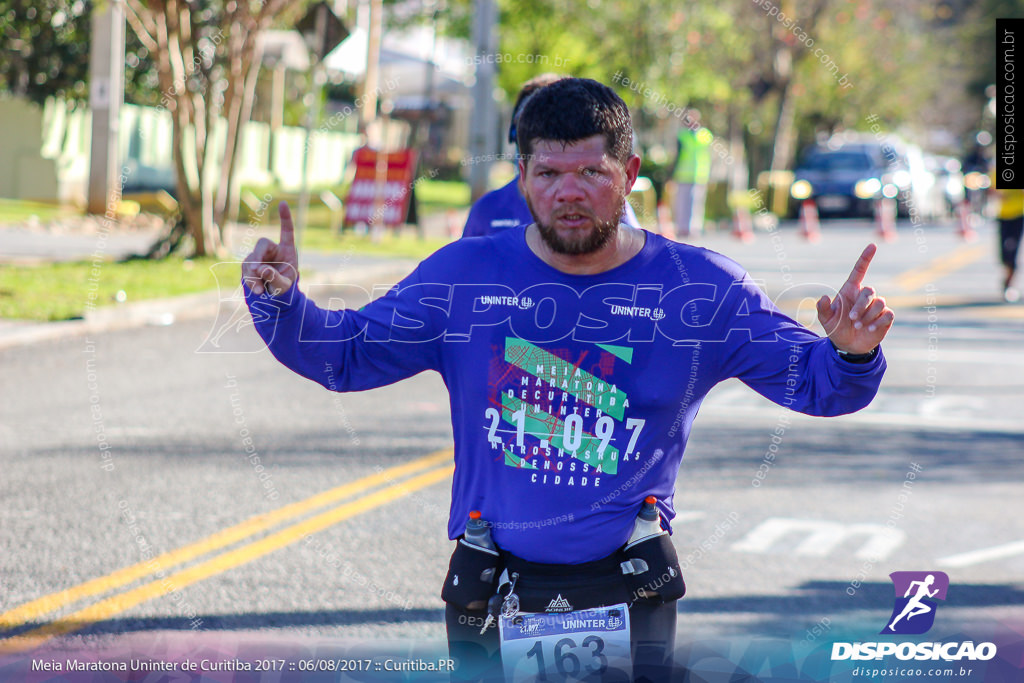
1010,230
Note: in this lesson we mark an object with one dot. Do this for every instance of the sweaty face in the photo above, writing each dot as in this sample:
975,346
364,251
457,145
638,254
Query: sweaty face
576,194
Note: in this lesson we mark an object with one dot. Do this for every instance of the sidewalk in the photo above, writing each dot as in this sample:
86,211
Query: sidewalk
20,245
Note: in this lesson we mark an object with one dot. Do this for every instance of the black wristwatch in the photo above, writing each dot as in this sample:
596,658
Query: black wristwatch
855,357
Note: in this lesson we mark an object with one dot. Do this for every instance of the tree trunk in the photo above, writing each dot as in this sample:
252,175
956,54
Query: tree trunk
186,198
238,110
785,132
188,79
230,108
782,144
739,172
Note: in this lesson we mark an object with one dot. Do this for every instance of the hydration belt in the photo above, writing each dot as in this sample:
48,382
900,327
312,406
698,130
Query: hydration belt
647,571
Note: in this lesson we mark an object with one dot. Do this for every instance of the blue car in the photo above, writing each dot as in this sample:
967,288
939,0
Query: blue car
844,181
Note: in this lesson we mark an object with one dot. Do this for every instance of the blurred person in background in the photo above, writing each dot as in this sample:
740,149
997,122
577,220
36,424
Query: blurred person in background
690,175
976,167
505,207
1010,214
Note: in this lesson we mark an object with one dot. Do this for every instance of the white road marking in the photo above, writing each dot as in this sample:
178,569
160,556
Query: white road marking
822,537
954,356
984,555
946,407
688,516
737,414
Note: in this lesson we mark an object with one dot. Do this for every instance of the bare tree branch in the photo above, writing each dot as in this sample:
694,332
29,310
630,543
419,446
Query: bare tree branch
142,24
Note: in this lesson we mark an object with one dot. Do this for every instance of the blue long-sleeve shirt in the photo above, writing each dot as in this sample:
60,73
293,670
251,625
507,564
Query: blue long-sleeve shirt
572,396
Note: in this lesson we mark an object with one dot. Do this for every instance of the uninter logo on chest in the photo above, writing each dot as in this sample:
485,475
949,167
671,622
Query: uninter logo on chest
513,301
638,312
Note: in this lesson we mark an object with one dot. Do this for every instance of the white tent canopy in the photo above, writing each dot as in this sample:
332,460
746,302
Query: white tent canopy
404,61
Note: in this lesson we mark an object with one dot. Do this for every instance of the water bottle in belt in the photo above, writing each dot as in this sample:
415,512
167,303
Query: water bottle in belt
648,523
478,532
651,561
478,535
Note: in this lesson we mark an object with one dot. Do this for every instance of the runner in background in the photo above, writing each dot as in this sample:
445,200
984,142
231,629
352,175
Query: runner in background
690,175
505,207
1010,214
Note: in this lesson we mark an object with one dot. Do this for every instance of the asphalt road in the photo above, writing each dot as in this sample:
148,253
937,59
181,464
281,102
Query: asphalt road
138,444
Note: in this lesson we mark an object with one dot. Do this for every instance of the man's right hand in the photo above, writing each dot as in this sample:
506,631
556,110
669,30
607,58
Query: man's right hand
271,266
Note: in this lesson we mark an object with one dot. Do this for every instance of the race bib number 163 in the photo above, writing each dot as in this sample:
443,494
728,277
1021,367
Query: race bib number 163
572,646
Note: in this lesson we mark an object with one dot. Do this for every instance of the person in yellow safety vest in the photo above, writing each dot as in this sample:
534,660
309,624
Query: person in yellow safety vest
1010,214
690,174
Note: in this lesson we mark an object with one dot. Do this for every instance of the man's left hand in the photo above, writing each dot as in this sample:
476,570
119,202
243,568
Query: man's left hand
856,320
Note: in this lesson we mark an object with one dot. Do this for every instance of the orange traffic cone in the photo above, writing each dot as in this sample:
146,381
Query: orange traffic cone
885,218
810,228
963,217
742,225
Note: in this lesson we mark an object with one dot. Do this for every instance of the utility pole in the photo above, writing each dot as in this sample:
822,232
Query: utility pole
322,31
483,139
371,81
106,93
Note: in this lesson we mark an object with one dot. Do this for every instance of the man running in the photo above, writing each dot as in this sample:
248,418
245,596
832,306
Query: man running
914,606
576,353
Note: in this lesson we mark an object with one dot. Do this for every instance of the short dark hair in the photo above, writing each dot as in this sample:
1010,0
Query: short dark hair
573,109
531,86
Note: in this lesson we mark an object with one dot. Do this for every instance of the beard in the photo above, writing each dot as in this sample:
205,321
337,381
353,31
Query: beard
579,242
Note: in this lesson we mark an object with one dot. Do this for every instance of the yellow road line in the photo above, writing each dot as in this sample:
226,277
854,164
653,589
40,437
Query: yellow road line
922,299
32,611
220,563
918,300
939,267
998,311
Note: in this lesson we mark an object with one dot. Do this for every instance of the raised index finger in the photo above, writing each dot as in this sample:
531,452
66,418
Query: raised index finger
860,269
287,228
